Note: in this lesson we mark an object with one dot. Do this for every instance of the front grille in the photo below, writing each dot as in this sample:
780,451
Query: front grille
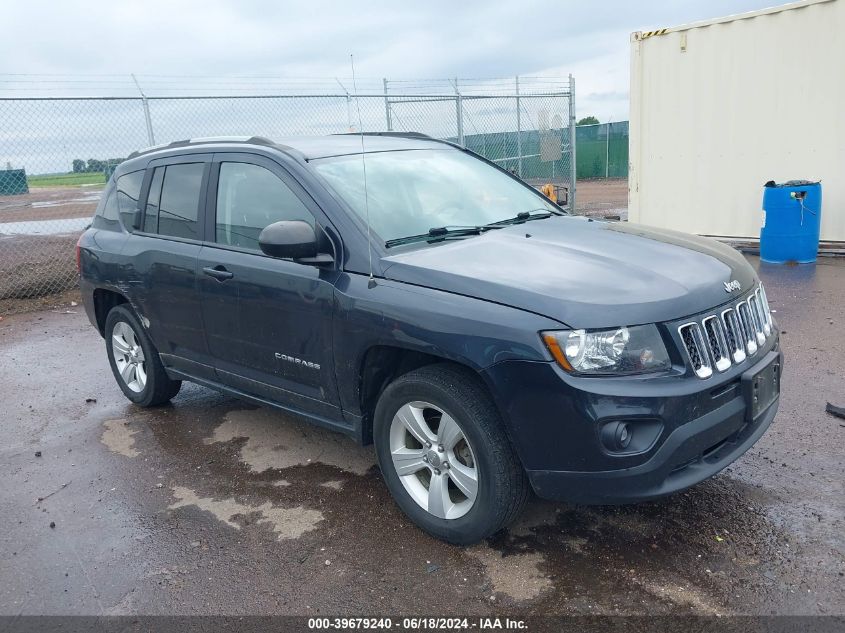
723,340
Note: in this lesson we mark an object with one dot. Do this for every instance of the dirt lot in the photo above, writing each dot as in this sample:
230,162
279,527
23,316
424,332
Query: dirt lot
51,203
38,232
210,505
602,197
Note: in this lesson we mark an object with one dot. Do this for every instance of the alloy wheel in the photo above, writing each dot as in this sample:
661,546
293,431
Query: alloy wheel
434,460
129,357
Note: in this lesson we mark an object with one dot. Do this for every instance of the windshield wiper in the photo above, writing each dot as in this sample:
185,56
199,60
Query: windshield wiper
440,233
523,216
444,232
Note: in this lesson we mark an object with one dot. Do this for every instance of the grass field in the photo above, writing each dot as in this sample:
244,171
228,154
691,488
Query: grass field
66,180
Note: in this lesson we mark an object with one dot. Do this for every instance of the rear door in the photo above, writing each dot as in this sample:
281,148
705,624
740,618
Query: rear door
267,321
163,251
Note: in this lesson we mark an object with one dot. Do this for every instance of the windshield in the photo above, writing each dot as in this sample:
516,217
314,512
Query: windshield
413,191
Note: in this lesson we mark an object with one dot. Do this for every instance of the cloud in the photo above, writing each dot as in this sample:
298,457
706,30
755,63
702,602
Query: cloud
90,47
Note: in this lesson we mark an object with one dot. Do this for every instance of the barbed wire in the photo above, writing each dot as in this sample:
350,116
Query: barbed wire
21,85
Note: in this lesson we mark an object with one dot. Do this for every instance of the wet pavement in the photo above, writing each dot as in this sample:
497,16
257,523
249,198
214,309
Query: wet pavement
210,505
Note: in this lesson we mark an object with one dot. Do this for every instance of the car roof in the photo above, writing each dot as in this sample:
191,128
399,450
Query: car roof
302,147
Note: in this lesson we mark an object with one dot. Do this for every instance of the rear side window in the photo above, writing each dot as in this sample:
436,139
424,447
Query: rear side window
109,210
173,200
128,194
106,215
151,214
249,198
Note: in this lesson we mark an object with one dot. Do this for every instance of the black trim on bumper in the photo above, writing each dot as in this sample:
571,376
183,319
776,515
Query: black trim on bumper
694,452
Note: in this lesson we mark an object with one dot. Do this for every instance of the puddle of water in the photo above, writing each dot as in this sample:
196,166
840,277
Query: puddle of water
89,197
287,523
44,227
118,437
277,441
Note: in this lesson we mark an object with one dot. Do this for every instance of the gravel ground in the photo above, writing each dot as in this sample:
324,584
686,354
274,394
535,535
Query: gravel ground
212,506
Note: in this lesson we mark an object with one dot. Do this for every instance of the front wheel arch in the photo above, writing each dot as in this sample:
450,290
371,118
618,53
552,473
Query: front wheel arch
503,487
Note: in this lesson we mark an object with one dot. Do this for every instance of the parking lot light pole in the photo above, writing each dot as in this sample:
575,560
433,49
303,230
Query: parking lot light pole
146,105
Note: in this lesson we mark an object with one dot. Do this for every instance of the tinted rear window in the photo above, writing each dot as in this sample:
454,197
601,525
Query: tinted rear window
178,203
128,194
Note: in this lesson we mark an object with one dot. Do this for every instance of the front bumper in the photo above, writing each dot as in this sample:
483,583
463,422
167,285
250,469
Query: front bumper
704,428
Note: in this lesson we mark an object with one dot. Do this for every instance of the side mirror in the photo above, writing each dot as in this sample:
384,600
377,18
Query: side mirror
292,239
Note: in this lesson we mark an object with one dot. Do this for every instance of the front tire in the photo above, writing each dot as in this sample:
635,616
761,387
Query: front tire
445,456
135,362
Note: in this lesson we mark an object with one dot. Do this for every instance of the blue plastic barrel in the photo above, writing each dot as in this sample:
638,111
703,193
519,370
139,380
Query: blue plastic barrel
793,212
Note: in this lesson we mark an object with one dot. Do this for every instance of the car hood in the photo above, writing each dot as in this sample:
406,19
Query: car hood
583,273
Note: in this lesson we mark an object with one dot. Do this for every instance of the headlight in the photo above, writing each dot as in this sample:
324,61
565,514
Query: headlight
625,350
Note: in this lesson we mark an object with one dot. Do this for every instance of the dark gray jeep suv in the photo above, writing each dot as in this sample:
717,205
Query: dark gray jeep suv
409,293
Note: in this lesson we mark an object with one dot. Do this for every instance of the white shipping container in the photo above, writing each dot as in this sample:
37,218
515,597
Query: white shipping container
720,107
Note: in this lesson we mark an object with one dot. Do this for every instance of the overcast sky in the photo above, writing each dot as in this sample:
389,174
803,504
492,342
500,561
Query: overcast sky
431,39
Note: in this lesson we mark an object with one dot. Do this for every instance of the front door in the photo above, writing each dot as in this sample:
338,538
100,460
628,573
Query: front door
267,321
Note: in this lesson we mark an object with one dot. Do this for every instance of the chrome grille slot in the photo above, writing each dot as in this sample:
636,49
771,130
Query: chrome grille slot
761,308
756,319
767,313
716,339
696,349
733,335
744,314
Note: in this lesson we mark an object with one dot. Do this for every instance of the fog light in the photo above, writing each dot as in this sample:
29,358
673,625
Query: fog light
623,436
616,436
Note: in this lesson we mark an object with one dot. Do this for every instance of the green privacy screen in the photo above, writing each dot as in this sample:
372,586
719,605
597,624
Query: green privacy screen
601,151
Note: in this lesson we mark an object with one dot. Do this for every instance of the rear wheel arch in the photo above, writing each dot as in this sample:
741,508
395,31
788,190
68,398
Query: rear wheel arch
104,300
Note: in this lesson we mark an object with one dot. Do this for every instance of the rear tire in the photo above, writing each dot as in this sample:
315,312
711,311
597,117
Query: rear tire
460,478
135,362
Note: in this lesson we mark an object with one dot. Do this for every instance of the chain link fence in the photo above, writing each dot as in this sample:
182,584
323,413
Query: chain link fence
56,154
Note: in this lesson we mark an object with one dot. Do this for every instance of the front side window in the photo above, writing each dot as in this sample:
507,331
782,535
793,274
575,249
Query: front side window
410,192
249,198
173,201
128,194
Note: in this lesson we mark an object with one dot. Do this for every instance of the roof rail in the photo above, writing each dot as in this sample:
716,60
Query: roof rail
399,134
411,135
252,140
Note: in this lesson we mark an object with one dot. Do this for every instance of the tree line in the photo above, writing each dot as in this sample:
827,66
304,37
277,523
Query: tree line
95,165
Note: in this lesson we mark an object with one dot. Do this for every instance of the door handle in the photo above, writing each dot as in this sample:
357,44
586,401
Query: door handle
218,272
